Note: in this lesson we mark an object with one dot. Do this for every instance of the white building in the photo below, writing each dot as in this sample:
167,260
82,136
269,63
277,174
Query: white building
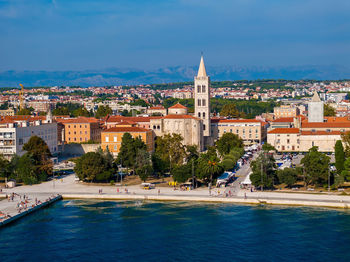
15,133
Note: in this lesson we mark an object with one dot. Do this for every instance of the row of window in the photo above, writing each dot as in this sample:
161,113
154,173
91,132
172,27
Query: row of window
237,131
81,132
203,114
75,126
75,139
201,102
199,88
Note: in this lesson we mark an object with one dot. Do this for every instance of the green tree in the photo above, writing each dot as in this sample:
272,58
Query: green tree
170,149
228,164
346,172
25,111
82,111
144,172
27,170
316,167
182,173
345,137
227,142
126,155
61,111
41,154
231,111
103,111
267,147
89,165
263,171
209,166
339,156
287,176
329,110
160,166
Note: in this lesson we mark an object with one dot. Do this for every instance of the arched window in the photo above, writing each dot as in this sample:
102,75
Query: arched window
199,102
203,114
199,114
198,89
158,127
203,89
203,127
203,102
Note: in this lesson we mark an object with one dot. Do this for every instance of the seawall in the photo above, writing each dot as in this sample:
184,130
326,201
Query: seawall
29,211
234,200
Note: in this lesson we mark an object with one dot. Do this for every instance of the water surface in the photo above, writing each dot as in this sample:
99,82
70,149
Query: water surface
172,231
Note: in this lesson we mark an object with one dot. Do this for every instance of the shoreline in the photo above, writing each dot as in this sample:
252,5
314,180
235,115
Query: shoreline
233,200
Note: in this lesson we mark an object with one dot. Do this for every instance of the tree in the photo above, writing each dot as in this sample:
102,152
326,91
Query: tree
267,147
263,171
89,165
231,111
5,170
25,111
287,176
144,172
345,137
228,164
329,110
227,142
182,173
103,111
26,170
82,111
170,149
339,156
40,153
346,172
160,167
316,167
209,166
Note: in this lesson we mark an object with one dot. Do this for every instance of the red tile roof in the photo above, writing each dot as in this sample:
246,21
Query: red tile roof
180,117
157,108
125,129
287,119
78,120
320,133
325,125
178,106
284,131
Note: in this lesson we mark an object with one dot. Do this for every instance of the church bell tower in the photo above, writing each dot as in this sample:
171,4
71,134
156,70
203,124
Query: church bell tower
202,98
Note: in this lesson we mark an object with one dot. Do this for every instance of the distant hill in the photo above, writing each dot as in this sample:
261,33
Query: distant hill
117,76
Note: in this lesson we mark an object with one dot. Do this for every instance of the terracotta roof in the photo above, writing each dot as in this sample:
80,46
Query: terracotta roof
333,119
126,123
284,131
180,117
239,121
325,125
78,120
157,107
135,119
320,133
287,119
125,129
178,106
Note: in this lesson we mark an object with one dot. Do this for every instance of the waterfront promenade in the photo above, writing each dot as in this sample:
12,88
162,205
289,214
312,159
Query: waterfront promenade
71,189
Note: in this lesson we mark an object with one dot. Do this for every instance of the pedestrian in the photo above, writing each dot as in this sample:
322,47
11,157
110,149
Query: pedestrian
245,195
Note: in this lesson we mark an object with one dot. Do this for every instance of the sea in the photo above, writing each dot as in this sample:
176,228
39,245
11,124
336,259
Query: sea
176,231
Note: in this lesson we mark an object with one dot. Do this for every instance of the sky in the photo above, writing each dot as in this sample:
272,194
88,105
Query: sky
147,34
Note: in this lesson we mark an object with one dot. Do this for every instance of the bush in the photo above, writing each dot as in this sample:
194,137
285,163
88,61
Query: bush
112,182
228,164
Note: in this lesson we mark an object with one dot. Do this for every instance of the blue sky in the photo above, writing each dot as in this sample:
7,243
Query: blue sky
86,34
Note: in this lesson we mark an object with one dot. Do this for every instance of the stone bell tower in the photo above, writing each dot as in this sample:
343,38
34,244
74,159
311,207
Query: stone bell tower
202,98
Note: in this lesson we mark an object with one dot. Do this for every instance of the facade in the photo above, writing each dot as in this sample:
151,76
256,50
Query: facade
81,129
14,134
296,140
251,131
315,109
202,98
157,110
7,112
112,137
177,109
286,111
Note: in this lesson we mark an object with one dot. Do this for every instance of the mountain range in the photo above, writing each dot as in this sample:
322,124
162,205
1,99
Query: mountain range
129,76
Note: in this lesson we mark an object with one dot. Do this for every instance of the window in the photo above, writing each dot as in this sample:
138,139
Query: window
107,138
237,131
81,139
230,130
203,89
75,133
199,114
158,127
75,126
203,127
198,89
203,102
115,138
85,126
199,102
287,141
80,126
85,132
203,114
154,127
68,126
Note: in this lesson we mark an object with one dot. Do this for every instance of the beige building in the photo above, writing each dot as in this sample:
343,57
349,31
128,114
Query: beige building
157,110
251,131
296,140
7,112
286,111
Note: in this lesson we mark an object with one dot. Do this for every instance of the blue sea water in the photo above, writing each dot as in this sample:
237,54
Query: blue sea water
173,231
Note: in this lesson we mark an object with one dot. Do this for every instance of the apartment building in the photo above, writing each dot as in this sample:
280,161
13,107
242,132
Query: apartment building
111,138
81,129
